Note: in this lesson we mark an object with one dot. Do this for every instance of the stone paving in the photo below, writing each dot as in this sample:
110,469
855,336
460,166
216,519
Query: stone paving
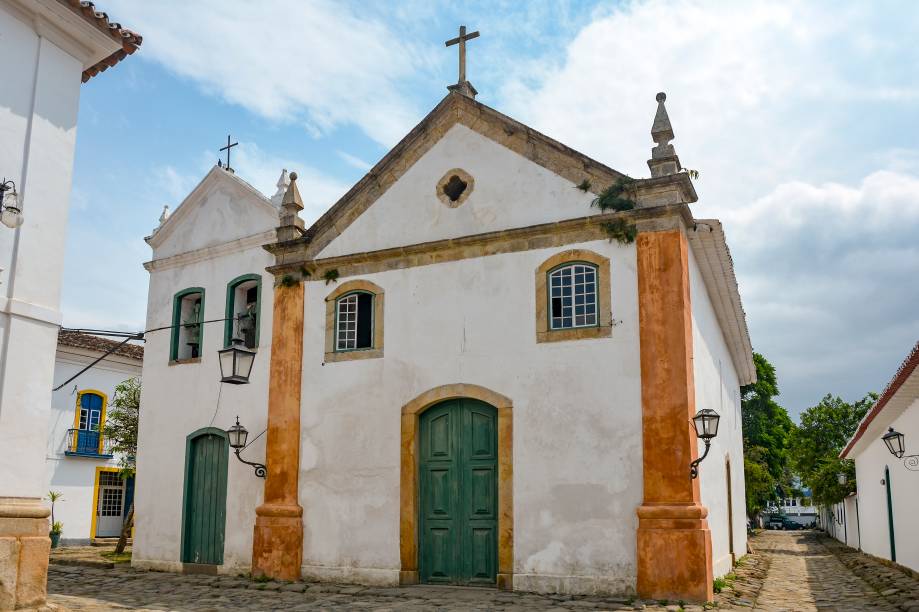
791,571
804,576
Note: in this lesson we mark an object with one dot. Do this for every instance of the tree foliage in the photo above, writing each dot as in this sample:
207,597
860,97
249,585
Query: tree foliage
121,430
766,432
817,442
765,423
121,424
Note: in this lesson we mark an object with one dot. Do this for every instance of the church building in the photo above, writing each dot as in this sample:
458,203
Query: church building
479,367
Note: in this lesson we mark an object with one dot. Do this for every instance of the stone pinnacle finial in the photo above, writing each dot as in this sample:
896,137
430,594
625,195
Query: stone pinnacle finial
164,215
664,159
291,224
283,182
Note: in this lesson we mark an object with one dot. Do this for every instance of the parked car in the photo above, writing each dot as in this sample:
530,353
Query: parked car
781,522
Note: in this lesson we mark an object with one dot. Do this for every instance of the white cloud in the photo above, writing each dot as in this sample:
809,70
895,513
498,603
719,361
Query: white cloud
354,161
262,170
828,274
318,63
781,107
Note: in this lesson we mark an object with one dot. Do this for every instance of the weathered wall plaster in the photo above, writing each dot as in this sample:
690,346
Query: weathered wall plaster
577,421
510,191
717,387
872,495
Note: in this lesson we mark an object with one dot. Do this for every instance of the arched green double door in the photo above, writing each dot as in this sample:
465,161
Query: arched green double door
458,493
204,511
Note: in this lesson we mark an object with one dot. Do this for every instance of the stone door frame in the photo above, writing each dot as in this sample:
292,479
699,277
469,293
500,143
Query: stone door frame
408,490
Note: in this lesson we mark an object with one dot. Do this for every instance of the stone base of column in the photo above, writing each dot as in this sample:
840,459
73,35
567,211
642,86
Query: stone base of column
674,553
24,550
277,548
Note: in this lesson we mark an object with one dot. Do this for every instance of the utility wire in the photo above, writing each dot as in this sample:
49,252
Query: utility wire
127,336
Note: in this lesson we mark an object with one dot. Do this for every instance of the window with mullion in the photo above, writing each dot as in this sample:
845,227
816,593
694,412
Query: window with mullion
354,322
573,296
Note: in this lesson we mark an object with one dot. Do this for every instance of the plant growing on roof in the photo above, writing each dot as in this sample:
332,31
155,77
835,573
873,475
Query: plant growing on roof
617,196
583,185
621,230
330,276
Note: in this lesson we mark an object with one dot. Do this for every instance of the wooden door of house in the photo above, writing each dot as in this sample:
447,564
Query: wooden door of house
204,514
458,453
109,504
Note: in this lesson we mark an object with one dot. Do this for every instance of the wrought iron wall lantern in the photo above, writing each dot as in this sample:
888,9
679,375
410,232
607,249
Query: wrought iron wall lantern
706,424
896,444
841,479
236,363
10,208
238,436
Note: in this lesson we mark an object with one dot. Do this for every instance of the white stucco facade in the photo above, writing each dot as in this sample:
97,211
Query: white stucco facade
179,399
717,387
74,474
44,49
888,495
874,526
576,404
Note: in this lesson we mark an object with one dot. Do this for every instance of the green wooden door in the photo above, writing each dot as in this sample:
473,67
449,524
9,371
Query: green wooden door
458,494
204,514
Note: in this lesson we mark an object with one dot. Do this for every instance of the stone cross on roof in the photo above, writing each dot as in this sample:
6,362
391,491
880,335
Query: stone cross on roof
462,85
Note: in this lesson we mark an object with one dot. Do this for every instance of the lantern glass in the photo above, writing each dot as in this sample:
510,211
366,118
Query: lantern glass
238,435
841,479
895,442
11,217
706,423
236,363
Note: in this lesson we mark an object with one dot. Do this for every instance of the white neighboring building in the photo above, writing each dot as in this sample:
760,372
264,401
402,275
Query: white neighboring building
47,48
887,503
798,509
460,225
80,463
208,249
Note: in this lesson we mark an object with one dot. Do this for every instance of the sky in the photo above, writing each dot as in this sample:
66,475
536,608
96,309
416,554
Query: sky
801,118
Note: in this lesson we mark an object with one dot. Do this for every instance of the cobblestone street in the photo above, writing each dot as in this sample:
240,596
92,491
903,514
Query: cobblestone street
792,571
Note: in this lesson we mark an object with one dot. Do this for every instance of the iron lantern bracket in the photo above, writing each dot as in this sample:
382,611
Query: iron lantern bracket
694,466
260,470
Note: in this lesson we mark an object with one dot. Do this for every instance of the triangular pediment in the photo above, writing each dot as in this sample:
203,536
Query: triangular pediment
221,208
459,121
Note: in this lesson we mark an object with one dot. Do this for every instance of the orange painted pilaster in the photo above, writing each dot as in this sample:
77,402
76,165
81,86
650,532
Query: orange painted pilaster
277,548
674,542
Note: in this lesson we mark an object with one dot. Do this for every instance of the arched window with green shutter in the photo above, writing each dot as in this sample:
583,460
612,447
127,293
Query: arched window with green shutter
187,322
243,310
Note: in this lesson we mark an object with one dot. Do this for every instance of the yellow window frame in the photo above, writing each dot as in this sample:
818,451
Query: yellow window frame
76,416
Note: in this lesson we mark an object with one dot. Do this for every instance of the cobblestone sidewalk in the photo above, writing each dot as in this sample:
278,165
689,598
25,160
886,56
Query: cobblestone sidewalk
792,571
804,576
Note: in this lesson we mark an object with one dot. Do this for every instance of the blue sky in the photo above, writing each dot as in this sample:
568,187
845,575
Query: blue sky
801,118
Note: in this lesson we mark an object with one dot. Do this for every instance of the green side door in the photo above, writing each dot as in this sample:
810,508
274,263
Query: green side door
458,494
204,513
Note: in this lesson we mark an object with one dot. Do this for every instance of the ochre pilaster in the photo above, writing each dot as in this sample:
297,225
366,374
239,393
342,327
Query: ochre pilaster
277,547
674,542
24,549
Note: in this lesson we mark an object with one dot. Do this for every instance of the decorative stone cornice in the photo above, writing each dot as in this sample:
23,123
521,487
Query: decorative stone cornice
290,258
211,252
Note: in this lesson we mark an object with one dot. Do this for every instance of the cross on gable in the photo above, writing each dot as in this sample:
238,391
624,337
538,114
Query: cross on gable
227,149
462,85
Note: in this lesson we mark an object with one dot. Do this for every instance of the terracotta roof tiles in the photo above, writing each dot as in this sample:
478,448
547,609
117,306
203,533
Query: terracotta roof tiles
96,343
130,41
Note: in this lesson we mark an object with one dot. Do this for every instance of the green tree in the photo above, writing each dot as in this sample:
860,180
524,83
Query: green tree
817,442
121,431
766,431
765,423
759,483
